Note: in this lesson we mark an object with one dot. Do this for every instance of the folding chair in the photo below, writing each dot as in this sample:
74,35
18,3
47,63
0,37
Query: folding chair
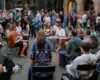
91,74
43,69
90,69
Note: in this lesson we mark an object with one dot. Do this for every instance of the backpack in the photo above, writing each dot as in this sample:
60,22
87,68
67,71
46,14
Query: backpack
42,57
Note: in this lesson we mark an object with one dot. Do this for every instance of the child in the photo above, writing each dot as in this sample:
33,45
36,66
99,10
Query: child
85,58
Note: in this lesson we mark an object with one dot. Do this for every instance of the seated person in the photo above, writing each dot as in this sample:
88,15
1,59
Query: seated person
72,48
87,36
19,31
15,41
60,32
94,44
80,30
43,55
41,35
48,29
85,58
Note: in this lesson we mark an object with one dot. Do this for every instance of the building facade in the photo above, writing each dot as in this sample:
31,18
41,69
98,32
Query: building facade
1,4
58,5
49,4
82,5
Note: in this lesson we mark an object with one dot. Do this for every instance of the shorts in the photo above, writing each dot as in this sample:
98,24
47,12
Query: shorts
19,44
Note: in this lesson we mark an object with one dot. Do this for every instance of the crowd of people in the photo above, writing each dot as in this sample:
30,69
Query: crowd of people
75,34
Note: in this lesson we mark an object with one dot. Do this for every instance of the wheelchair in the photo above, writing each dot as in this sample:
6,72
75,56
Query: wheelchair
42,69
48,72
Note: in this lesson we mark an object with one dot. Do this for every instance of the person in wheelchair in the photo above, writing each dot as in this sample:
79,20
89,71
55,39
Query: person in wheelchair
85,58
41,54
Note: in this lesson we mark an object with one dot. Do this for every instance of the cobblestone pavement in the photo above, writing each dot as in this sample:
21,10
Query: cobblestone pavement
23,74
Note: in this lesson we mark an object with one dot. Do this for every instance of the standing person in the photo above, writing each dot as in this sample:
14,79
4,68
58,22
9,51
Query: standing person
61,16
39,20
53,19
8,29
98,23
93,18
47,19
30,17
24,23
4,16
33,27
84,19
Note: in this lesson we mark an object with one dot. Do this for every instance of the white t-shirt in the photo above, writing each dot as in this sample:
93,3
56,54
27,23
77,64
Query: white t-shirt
60,32
55,27
83,59
18,30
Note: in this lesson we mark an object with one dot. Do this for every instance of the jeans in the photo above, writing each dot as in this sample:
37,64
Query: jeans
32,31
